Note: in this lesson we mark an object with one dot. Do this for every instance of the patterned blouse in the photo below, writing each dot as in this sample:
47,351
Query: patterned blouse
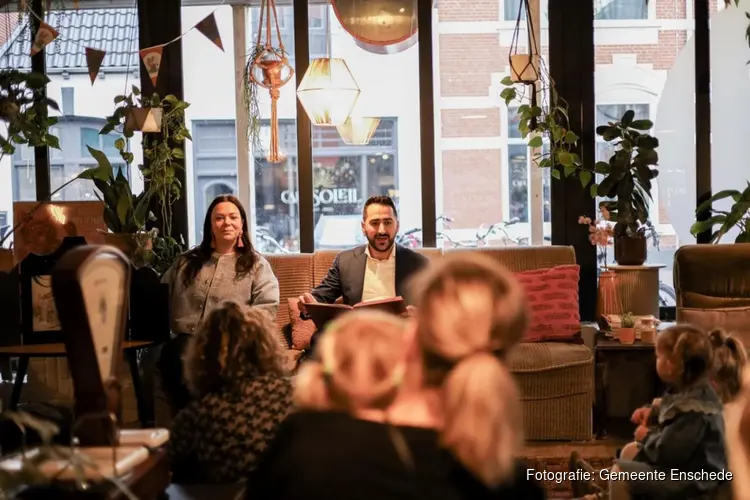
220,437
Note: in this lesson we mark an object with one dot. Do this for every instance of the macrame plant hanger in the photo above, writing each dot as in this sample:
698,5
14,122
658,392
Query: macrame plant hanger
271,62
524,68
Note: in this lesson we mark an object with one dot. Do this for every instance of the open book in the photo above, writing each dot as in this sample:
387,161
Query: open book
321,314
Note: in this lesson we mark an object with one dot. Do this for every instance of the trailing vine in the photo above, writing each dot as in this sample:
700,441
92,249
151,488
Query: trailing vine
250,100
548,120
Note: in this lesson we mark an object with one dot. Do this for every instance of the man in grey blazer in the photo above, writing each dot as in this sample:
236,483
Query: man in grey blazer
379,269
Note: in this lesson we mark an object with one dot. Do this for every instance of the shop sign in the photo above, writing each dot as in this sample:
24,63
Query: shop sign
336,196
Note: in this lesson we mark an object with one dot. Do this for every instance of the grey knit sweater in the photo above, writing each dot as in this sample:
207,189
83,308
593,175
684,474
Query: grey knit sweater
215,284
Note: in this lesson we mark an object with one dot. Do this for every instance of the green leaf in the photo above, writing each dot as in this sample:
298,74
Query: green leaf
507,81
627,118
120,144
568,170
565,159
706,225
585,177
555,173
570,137
536,142
178,153
642,125
721,195
593,190
53,141
743,237
602,167
123,206
103,171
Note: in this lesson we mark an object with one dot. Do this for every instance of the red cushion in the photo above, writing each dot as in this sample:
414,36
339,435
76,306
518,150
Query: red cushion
553,303
302,330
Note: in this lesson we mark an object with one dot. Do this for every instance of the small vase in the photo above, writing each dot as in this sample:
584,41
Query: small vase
630,251
626,335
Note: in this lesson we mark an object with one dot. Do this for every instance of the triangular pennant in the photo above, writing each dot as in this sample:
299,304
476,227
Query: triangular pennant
94,58
151,57
44,36
209,28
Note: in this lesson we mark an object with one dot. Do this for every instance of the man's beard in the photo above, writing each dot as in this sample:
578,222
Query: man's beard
381,245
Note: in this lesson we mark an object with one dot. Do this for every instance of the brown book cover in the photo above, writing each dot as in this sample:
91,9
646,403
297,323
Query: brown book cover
321,314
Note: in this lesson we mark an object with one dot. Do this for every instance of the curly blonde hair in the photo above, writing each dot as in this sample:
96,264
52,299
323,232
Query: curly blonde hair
234,343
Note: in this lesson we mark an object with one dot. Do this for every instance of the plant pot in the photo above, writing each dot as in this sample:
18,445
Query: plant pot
648,335
524,68
144,119
626,335
127,243
630,251
6,260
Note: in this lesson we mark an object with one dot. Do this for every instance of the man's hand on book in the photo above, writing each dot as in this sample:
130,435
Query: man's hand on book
305,298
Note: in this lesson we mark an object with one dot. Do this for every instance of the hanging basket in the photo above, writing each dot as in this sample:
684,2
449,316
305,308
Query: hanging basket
144,119
524,68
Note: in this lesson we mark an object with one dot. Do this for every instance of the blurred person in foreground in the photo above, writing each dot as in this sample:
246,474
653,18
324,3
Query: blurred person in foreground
404,409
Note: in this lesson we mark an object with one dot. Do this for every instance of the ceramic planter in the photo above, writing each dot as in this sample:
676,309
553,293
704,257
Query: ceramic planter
630,251
626,335
524,68
144,119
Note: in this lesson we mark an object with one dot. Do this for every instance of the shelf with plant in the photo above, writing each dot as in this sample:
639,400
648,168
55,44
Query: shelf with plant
627,184
163,122
24,108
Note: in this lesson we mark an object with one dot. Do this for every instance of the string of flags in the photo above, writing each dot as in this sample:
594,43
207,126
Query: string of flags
151,56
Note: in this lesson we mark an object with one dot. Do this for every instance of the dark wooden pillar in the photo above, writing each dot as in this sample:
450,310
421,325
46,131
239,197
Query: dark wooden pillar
160,22
426,124
702,111
39,65
571,66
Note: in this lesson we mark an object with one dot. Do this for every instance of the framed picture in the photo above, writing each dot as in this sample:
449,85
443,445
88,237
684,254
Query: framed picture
44,227
39,321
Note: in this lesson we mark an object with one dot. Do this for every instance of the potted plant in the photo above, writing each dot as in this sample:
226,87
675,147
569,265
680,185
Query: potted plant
125,213
162,151
626,333
737,215
627,184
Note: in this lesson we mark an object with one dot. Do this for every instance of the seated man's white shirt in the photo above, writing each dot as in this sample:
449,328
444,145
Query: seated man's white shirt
380,277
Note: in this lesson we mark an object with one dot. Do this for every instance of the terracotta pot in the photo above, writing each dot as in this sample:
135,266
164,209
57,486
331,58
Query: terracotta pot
6,260
144,119
125,242
630,251
626,335
524,68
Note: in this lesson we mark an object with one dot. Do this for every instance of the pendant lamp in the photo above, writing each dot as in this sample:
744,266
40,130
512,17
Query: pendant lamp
328,92
357,131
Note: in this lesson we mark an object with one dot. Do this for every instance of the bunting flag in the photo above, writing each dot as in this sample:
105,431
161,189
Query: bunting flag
151,57
209,28
94,58
44,36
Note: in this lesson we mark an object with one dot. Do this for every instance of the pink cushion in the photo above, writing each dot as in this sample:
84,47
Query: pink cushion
553,303
302,330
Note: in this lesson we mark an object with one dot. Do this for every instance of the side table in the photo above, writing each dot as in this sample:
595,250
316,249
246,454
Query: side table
638,287
629,370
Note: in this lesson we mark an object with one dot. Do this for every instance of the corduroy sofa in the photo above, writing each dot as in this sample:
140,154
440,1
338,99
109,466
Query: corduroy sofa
556,378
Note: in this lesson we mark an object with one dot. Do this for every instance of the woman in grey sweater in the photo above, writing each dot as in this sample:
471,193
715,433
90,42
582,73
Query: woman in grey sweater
223,267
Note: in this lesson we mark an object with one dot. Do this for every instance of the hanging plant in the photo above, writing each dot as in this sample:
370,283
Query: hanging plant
268,67
25,110
530,81
163,149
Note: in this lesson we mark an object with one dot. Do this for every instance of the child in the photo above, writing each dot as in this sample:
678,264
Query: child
729,360
689,435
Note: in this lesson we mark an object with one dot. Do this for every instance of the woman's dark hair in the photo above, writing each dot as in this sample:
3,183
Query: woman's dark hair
194,259
233,343
730,358
690,349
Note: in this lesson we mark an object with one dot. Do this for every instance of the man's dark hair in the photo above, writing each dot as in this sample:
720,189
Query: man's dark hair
379,200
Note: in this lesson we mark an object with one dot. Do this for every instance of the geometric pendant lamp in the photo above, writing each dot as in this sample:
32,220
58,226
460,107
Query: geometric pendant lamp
328,92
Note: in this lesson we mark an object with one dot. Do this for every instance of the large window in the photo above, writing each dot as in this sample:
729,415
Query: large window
622,10
344,175
652,73
83,106
485,173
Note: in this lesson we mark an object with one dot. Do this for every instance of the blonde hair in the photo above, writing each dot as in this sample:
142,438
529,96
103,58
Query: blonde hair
234,342
471,312
729,362
360,362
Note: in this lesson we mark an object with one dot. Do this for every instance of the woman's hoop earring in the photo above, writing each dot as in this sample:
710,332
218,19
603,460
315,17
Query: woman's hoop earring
240,244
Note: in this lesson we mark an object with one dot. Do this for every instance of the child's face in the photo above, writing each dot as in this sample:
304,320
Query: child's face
664,367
